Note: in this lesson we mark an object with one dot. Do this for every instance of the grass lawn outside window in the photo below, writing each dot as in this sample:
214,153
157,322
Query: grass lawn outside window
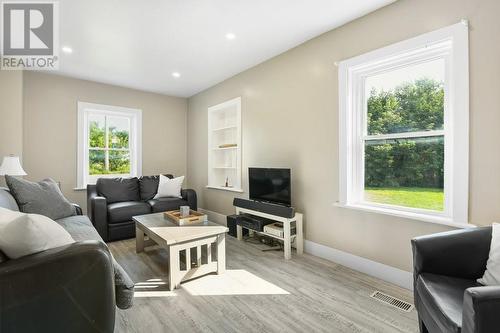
414,197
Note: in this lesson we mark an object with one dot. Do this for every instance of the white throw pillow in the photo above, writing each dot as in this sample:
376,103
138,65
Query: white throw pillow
491,276
22,234
169,187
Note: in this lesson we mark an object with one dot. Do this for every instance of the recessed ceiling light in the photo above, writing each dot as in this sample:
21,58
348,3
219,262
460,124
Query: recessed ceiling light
67,49
176,74
230,36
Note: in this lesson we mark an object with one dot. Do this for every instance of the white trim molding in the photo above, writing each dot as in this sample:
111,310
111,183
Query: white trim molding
384,272
135,139
449,44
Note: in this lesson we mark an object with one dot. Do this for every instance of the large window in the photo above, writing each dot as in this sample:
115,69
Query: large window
404,128
109,142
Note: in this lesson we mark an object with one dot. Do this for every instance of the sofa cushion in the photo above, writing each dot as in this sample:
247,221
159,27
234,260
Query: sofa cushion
443,299
43,197
149,186
165,204
123,211
81,229
118,189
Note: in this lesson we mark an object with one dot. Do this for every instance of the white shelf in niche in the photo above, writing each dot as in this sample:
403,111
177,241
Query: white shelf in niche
224,163
224,128
226,148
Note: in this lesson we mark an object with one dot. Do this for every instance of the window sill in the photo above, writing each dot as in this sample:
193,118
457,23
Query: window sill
231,189
408,215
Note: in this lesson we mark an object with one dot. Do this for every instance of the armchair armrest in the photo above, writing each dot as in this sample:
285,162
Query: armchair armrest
66,289
97,210
459,253
190,196
481,309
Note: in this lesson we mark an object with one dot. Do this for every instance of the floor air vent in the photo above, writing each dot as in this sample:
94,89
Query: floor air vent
392,301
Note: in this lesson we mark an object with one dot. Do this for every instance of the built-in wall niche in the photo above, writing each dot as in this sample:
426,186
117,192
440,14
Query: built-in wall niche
224,146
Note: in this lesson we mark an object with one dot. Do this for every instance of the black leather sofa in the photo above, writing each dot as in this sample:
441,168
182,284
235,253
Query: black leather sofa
73,288
447,296
112,202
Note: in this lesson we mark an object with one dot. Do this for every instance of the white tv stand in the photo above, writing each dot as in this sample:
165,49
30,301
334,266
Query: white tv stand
298,238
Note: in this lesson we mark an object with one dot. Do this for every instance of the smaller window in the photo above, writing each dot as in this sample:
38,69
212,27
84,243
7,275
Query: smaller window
108,142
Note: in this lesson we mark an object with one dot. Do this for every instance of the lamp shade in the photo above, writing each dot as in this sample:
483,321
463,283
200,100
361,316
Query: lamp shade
11,166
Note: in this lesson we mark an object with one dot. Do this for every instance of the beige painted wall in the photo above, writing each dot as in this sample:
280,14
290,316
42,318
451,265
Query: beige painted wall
11,114
50,127
290,119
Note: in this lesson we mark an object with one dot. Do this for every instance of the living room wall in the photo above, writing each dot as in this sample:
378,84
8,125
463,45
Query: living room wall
290,119
11,114
50,127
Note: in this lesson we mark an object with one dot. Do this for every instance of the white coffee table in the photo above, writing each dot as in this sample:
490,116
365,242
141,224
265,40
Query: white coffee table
178,241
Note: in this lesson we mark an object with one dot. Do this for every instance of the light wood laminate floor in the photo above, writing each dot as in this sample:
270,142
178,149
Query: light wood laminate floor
316,295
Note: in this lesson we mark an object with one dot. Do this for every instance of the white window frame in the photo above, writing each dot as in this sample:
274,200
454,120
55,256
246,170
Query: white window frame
135,140
450,44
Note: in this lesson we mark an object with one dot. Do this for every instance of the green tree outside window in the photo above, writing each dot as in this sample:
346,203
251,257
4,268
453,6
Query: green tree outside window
111,155
408,171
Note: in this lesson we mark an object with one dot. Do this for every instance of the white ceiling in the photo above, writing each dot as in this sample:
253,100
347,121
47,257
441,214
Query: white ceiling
139,44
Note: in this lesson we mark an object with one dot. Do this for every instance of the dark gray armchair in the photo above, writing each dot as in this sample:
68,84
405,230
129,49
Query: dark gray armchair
447,296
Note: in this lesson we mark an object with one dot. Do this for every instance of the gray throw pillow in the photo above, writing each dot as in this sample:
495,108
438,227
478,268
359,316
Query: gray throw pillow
44,198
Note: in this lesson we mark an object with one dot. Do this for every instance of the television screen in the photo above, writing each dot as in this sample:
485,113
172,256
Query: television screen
270,185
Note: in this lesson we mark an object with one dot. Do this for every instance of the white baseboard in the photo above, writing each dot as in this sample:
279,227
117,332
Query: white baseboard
214,216
384,272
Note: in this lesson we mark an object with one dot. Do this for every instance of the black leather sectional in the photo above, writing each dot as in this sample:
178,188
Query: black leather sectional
112,202
73,288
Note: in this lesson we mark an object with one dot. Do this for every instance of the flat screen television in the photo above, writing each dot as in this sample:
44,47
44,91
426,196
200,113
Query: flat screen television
270,185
